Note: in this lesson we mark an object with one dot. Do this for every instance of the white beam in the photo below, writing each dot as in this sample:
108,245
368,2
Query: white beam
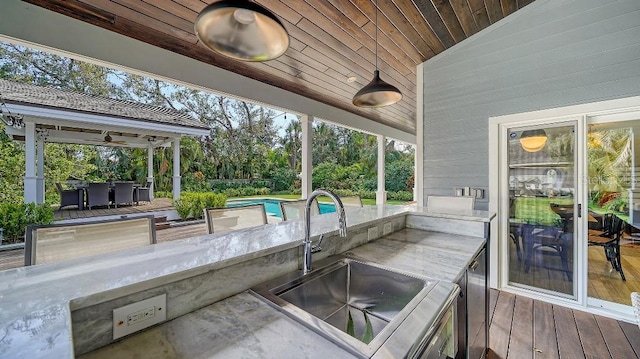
176,168
418,195
40,173
381,194
307,155
50,116
37,27
30,179
150,169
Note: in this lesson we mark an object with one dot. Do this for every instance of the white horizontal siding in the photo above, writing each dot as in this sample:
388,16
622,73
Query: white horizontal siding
552,53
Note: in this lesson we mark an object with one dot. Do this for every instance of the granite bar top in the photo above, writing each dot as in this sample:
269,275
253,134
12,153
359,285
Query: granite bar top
244,326
36,301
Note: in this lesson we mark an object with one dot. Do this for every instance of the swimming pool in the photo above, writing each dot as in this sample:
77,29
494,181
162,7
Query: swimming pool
272,206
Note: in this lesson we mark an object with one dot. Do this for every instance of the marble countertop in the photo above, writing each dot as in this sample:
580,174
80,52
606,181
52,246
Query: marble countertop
35,301
244,326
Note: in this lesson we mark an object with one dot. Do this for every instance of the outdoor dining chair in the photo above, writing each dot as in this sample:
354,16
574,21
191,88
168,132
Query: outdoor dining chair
221,220
70,197
98,194
292,210
62,242
352,201
610,241
143,193
123,193
538,238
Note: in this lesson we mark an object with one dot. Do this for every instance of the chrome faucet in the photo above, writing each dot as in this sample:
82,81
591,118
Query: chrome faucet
342,222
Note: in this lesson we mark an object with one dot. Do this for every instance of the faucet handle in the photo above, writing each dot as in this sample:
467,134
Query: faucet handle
315,248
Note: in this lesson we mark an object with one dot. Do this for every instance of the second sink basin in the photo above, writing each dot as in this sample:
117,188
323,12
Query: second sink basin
355,304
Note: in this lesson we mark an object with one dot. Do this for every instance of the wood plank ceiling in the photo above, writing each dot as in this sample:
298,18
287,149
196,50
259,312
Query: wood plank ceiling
331,40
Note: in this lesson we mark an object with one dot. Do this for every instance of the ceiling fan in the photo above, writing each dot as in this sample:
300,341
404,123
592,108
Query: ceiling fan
109,140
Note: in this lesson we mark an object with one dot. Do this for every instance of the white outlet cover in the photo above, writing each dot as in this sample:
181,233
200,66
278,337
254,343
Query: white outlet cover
139,315
372,233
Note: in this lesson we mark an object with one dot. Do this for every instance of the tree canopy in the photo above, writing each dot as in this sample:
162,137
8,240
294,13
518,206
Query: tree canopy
245,141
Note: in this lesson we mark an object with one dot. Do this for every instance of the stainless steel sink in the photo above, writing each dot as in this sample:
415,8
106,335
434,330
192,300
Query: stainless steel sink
355,304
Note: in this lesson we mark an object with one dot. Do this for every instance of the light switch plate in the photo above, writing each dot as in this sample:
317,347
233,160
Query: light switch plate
139,315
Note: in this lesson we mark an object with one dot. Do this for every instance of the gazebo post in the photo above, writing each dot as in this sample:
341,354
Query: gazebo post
150,169
307,163
30,179
381,194
176,168
40,173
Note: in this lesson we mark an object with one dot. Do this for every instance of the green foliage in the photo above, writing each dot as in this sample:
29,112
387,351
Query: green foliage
195,182
282,178
14,217
400,196
162,194
192,204
397,175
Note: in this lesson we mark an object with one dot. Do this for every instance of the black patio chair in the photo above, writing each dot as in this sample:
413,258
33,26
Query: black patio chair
97,195
70,197
144,193
610,242
540,237
123,193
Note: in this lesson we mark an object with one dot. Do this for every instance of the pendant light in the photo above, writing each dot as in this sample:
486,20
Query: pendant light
533,140
377,93
241,30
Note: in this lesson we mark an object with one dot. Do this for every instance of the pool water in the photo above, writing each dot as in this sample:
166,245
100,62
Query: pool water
272,206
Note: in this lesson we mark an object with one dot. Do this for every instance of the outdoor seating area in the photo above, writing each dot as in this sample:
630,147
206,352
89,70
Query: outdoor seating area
103,194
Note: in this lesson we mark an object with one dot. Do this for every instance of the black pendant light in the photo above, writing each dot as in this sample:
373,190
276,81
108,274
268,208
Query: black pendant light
377,93
242,30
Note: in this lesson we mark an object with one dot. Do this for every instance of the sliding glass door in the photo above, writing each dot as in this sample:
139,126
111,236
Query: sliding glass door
613,253
543,210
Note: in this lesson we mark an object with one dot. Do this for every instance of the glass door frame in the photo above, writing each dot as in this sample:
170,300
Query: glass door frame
609,110
577,122
617,117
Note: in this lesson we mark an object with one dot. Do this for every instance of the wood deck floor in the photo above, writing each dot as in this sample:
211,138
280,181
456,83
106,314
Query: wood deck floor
522,328
158,204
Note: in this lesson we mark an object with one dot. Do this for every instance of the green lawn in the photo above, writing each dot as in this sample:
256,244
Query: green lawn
321,199
537,210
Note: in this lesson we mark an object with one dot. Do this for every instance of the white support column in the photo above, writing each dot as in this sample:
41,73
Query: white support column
150,169
381,194
40,173
30,179
418,195
176,168
307,160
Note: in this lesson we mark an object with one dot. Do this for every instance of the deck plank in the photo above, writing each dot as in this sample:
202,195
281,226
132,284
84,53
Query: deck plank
500,330
616,341
569,346
590,336
545,342
521,340
632,332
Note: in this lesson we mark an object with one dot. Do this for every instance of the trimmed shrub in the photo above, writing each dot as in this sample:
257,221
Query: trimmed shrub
192,204
400,196
14,217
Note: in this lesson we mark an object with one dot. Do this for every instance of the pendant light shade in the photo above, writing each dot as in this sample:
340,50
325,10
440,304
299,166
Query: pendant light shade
242,30
377,93
533,140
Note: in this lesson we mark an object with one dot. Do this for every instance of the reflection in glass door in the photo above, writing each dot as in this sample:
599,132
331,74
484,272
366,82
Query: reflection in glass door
542,203
613,152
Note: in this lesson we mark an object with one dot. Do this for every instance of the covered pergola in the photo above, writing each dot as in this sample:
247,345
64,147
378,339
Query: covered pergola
45,114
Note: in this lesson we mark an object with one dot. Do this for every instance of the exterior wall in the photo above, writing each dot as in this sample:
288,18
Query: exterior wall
552,53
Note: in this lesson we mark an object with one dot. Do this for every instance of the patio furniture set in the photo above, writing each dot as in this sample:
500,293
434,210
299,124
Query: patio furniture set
104,194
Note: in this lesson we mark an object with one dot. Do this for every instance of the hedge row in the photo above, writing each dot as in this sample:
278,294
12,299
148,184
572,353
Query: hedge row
14,217
192,204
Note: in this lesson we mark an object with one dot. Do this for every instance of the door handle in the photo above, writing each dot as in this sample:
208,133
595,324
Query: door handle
579,210
474,265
